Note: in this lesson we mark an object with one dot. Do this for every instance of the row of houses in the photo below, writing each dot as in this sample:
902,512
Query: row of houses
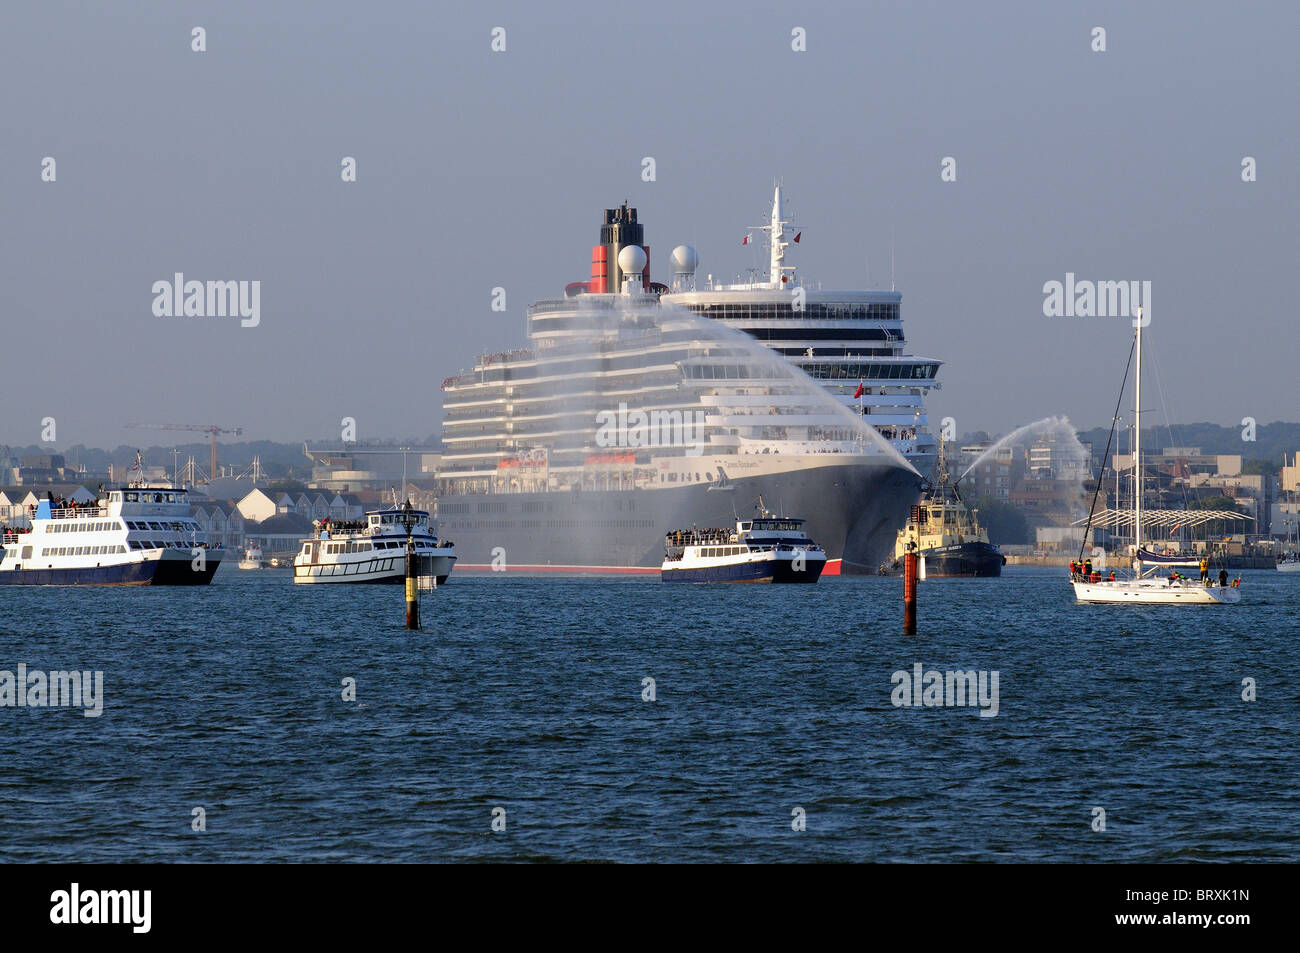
259,505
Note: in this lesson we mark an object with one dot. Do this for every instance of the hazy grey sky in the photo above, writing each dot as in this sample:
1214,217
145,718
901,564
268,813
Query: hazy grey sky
478,169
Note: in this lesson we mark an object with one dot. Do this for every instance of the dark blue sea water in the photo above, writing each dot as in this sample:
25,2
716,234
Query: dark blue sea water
526,694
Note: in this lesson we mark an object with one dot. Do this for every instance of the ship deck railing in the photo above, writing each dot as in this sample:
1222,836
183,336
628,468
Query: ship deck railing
704,537
67,512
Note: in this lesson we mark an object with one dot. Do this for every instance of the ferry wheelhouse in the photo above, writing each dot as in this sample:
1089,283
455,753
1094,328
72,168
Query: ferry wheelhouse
767,549
130,536
372,549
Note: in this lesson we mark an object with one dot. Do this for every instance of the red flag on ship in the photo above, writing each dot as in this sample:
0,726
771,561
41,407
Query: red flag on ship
798,236
747,239
858,393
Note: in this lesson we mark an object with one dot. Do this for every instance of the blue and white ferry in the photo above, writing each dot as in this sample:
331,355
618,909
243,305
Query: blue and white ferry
767,549
135,535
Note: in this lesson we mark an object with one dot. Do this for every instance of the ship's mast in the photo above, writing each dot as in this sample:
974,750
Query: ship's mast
777,268
778,239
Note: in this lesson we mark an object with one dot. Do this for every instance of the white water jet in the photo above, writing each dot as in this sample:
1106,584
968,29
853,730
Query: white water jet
736,405
1069,460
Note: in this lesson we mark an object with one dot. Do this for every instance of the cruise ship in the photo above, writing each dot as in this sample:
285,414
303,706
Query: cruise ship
136,535
640,406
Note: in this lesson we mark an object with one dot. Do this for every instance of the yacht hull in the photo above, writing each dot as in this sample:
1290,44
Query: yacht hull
1154,592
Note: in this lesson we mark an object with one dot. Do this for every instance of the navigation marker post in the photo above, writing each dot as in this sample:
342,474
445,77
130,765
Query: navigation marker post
408,520
909,590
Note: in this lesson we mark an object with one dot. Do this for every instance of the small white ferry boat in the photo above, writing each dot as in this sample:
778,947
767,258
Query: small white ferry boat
767,549
372,549
136,535
252,558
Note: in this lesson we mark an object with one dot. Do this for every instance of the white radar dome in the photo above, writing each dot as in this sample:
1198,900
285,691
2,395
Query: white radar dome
685,259
631,260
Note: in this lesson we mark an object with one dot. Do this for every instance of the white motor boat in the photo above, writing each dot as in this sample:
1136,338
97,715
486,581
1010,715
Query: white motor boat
252,558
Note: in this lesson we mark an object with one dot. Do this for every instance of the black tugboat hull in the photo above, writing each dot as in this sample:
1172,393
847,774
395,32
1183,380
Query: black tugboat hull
981,560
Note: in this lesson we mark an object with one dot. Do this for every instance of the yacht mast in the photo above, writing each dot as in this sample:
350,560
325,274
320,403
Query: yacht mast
1137,444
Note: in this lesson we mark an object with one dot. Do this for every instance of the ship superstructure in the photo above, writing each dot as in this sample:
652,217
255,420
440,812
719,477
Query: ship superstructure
851,342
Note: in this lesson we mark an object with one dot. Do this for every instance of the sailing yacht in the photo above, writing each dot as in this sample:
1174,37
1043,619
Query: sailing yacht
1145,587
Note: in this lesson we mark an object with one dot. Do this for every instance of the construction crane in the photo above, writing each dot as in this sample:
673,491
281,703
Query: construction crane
209,429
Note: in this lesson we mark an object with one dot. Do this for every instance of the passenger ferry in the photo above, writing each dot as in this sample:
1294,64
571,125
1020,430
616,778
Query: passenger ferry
767,549
372,550
136,535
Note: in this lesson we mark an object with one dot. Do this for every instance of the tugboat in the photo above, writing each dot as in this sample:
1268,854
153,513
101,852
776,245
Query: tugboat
765,549
372,549
946,534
